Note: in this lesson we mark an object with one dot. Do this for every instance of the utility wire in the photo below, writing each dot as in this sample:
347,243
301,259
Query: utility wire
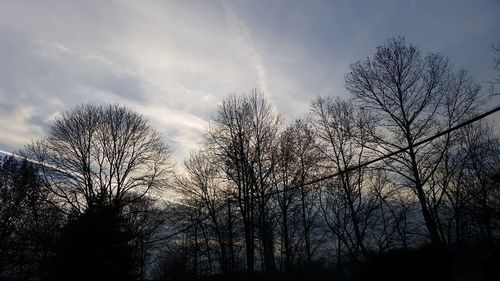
320,179
349,169
390,154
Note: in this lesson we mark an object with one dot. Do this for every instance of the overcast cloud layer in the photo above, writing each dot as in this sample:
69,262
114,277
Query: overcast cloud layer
174,61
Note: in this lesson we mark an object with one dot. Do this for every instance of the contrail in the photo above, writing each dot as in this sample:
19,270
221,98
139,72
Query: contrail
27,159
58,169
244,39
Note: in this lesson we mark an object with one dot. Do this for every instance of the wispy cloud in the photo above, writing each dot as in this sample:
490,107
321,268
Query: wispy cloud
244,42
174,61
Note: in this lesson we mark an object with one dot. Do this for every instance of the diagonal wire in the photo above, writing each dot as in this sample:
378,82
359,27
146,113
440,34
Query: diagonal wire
317,180
349,169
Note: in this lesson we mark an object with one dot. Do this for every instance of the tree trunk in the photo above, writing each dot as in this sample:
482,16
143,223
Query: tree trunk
428,218
305,226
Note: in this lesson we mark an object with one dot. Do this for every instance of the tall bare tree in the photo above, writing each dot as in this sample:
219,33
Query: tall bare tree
101,154
298,163
243,138
414,96
203,187
342,137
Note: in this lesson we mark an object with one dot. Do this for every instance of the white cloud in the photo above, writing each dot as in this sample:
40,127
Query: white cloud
244,42
17,129
174,61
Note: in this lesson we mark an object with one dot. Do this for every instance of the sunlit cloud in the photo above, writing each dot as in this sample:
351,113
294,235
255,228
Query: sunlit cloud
174,61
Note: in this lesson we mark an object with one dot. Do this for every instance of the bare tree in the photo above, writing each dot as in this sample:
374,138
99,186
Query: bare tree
146,220
284,177
307,167
342,138
101,154
229,137
414,96
480,170
203,187
393,221
298,208
243,138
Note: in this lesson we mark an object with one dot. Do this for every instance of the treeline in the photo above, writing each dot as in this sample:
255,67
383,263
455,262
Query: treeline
100,200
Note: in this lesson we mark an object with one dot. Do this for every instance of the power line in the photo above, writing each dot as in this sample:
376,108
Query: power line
317,180
426,140
349,169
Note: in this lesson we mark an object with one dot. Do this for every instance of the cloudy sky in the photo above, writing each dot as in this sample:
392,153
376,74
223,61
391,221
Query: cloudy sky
174,61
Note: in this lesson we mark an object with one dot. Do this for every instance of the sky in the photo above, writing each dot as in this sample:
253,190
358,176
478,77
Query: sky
174,61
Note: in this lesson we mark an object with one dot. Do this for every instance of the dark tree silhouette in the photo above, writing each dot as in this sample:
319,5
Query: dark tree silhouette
414,96
205,191
260,200
95,246
102,155
298,160
102,165
342,136
243,140
28,223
